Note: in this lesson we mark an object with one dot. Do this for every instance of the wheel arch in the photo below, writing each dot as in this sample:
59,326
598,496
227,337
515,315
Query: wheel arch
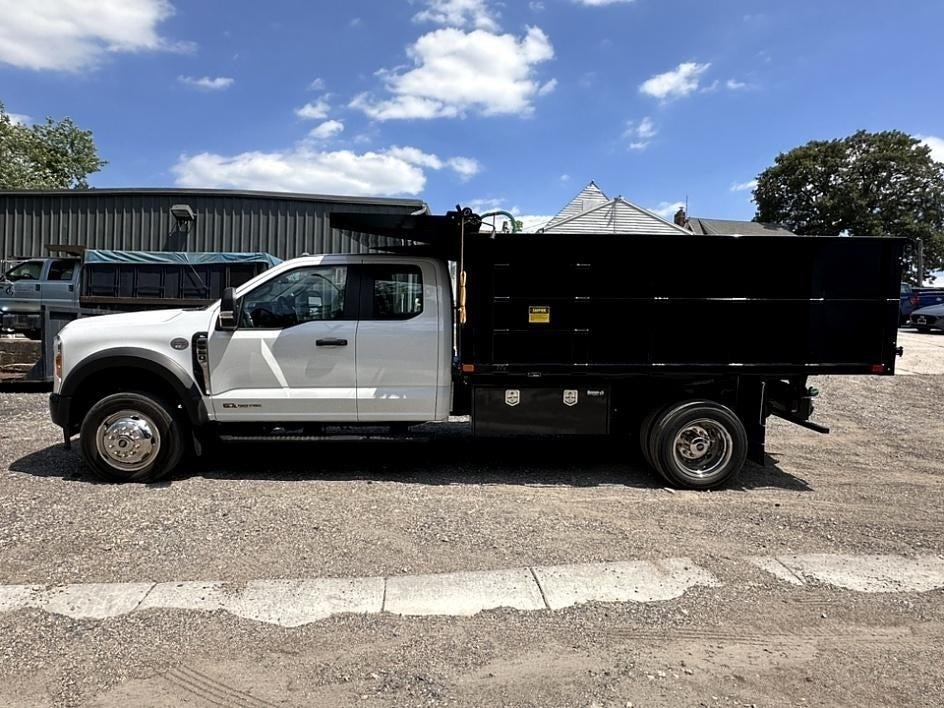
130,369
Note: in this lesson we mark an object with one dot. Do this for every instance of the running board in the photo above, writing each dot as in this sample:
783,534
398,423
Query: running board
323,438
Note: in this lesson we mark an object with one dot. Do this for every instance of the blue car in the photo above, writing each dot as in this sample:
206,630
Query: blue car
909,302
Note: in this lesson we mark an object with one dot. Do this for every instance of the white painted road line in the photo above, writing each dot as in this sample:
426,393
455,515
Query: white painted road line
631,581
292,603
463,593
861,573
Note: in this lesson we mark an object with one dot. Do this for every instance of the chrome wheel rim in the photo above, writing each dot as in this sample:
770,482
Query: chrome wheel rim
702,448
128,440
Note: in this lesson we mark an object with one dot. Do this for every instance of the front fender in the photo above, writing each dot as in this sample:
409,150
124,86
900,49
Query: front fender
134,358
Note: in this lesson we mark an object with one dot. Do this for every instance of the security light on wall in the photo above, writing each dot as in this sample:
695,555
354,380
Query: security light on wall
182,213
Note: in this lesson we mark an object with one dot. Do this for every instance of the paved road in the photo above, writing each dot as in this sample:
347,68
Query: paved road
346,574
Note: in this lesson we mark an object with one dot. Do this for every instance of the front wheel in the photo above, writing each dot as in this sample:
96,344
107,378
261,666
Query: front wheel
924,330
697,444
130,437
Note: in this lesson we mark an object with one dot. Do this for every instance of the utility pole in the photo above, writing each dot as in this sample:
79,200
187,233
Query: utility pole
920,262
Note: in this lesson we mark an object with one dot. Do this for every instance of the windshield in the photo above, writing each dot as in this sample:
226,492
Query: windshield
31,270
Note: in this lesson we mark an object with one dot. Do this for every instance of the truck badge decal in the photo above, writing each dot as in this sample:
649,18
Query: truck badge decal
539,314
512,397
570,397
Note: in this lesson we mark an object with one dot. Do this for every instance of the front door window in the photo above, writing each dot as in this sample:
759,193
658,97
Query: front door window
304,295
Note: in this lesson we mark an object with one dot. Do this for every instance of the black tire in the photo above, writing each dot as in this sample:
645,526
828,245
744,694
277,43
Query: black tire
924,330
161,452
717,457
645,433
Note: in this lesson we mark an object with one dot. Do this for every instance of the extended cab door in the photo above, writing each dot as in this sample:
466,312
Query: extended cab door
58,287
403,348
25,286
292,356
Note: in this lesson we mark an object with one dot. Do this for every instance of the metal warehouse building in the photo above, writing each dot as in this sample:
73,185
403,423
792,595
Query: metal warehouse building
285,225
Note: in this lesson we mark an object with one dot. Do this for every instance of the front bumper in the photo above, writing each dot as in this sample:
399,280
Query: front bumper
59,410
931,321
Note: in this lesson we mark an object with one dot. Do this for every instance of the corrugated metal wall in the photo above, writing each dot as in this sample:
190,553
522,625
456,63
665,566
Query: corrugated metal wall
141,220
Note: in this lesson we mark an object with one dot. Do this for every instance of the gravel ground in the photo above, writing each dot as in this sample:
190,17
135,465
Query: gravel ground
873,486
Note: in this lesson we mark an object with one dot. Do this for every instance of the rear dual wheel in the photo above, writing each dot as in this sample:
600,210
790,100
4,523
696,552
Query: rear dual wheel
697,444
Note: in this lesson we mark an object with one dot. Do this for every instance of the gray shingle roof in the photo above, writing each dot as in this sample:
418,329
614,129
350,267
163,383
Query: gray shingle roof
727,227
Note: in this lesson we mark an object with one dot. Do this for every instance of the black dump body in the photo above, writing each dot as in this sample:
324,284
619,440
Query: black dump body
586,334
616,304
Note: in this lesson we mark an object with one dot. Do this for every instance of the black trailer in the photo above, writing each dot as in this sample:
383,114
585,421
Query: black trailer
688,342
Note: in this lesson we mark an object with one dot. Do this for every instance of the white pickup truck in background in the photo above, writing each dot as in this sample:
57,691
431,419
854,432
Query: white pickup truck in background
33,284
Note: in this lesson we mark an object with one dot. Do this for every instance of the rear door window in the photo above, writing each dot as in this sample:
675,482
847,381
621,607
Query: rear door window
61,270
396,292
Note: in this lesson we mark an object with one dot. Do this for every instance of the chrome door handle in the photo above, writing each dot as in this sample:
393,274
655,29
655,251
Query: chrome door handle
331,342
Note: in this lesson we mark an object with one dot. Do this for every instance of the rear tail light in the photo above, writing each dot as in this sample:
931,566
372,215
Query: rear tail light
878,368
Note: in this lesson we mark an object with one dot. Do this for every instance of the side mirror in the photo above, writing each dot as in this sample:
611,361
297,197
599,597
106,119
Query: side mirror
228,310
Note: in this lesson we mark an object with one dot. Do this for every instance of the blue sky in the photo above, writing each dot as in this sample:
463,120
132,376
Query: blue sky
512,104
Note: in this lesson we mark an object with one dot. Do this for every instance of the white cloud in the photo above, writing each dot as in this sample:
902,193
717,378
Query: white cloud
415,156
19,118
72,35
936,144
355,22
532,222
601,3
456,72
735,85
548,87
207,83
536,6
640,134
458,13
326,130
304,168
465,167
317,84
748,186
314,110
667,209
565,177
677,83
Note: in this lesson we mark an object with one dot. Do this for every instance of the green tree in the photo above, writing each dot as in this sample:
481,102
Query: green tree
49,155
867,184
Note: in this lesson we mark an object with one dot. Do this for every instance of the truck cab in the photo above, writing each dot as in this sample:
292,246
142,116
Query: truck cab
35,283
339,339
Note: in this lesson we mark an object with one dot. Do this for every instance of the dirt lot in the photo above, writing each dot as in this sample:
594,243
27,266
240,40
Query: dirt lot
873,486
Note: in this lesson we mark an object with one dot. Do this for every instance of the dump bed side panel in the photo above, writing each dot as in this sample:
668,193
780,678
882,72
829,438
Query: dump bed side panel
628,303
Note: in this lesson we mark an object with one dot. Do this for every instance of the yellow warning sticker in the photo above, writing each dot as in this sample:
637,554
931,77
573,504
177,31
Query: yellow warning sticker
539,314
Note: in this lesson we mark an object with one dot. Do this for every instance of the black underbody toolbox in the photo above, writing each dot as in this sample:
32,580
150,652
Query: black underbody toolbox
573,410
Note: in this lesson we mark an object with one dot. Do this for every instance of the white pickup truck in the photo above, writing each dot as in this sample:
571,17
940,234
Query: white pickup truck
324,339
